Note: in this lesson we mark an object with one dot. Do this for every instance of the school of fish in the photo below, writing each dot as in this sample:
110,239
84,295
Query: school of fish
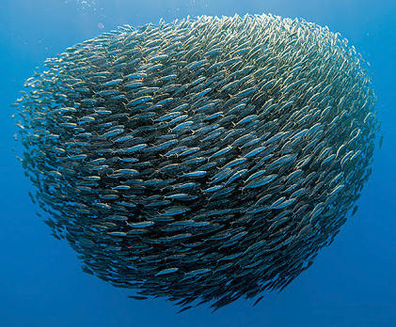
201,160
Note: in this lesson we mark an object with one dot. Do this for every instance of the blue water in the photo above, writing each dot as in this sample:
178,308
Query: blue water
352,282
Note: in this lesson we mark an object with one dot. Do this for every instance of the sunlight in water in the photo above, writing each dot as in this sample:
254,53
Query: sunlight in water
83,4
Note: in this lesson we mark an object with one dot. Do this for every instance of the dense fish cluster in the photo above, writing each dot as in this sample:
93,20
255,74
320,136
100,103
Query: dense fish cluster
201,160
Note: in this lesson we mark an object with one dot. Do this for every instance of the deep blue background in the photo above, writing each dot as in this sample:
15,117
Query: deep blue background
352,283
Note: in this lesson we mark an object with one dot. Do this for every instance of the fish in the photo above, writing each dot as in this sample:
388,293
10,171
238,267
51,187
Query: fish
166,271
259,182
199,160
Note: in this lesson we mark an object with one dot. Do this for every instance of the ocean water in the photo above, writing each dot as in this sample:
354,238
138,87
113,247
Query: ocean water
351,283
